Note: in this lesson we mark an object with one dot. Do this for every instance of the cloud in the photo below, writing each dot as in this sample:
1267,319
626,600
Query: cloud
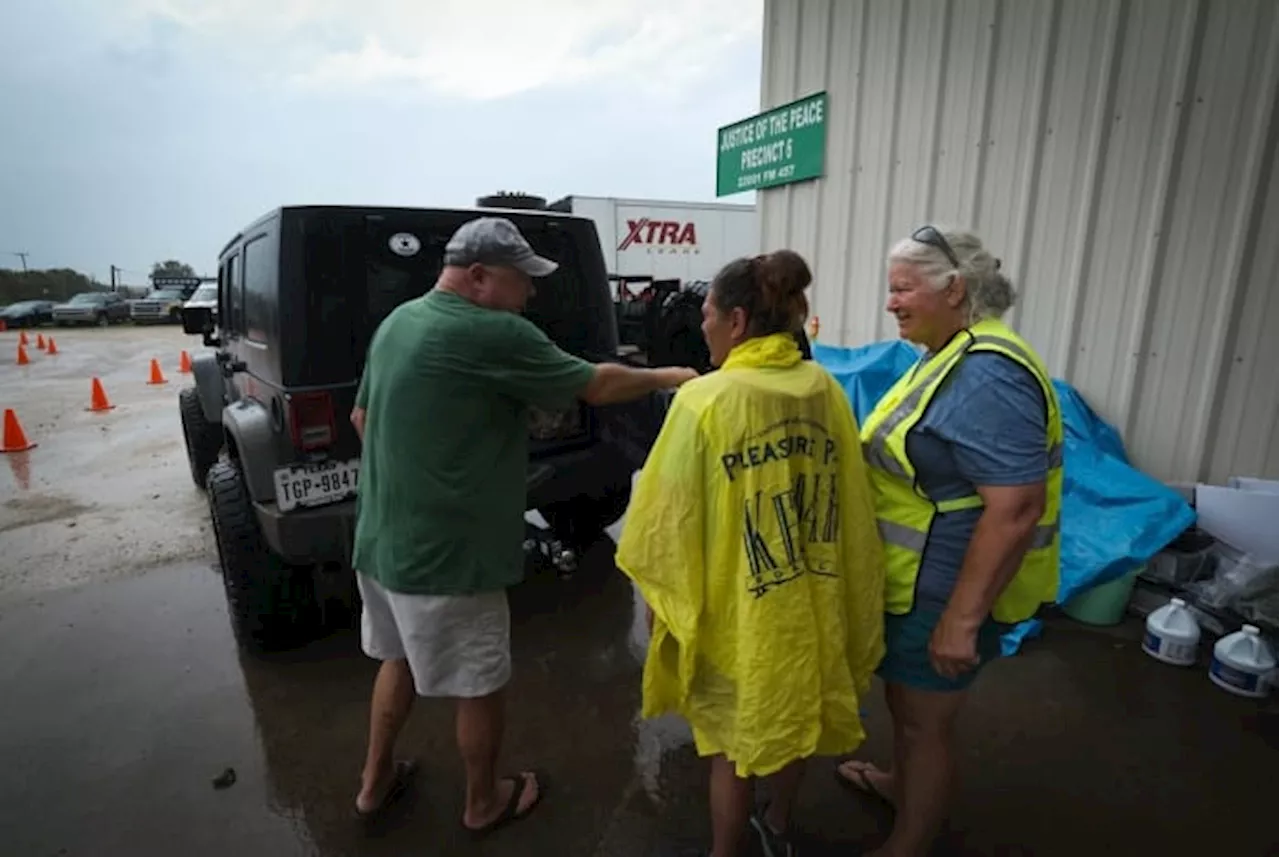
159,127
471,49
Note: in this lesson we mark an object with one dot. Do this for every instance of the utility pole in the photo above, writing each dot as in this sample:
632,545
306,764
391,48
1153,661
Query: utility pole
113,277
23,257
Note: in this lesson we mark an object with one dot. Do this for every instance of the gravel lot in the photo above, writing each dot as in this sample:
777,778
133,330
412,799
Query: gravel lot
103,494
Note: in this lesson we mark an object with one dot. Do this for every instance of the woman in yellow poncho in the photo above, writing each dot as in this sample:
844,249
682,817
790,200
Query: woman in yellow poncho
751,535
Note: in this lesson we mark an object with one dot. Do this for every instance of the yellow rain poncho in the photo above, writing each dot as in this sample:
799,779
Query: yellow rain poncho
752,536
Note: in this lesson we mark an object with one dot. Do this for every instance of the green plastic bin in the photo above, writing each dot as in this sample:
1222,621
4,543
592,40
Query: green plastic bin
1105,604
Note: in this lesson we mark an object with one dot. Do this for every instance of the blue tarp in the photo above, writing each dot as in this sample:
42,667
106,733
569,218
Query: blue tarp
1114,518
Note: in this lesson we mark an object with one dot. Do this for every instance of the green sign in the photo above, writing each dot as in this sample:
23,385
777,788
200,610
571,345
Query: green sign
779,147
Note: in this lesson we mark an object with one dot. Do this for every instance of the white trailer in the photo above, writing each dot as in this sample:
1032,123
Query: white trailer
689,241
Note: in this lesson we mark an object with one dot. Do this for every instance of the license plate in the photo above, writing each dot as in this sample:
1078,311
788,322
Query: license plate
309,485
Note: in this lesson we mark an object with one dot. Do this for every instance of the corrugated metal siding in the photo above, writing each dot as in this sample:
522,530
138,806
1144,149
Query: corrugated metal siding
1119,155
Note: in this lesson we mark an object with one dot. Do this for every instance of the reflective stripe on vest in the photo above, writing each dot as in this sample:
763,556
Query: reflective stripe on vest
903,536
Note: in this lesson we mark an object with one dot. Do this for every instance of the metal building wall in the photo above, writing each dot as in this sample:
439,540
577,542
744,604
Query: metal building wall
1118,155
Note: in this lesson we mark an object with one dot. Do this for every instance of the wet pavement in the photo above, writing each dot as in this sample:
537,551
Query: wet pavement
124,696
124,700
103,494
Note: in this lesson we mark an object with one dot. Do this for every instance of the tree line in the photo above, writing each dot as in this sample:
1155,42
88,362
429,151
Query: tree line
60,284
54,284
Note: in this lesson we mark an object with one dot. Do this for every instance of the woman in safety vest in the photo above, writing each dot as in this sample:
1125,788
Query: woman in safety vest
751,536
965,454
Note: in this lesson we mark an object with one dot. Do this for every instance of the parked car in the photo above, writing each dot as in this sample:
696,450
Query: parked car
162,306
205,297
266,425
28,314
100,308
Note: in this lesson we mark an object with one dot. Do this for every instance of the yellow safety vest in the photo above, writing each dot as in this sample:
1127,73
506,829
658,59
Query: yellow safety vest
904,514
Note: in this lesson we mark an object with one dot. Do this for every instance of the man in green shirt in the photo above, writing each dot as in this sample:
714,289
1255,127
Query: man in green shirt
442,411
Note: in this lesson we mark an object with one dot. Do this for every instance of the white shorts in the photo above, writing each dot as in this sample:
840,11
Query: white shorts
457,646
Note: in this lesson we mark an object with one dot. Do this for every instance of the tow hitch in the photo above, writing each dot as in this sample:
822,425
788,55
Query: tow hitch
540,544
543,548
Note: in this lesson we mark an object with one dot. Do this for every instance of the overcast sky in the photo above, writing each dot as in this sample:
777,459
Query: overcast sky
139,130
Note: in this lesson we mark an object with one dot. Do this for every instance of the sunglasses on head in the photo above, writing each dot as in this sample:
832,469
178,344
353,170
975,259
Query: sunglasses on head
934,238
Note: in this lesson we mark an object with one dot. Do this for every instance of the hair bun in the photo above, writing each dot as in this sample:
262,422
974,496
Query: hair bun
784,273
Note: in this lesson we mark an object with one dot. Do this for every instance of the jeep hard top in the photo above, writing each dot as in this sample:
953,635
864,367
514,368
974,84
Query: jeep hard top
300,293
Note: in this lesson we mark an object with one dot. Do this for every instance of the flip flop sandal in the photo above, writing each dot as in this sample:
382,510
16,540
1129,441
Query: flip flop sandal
511,812
863,786
402,775
773,843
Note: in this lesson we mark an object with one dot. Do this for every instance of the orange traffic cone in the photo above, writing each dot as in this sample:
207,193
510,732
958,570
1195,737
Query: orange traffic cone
22,338
53,347
23,359
15,439
40,341
98,398
184,363
4,325
156,376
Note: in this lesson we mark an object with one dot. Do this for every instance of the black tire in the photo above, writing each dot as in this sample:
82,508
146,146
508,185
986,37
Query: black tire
581,521
175,316
103,319
272,605
204,439
679,337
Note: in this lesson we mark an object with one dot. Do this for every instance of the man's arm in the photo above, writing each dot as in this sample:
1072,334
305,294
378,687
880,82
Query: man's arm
531,368
613,382
362,404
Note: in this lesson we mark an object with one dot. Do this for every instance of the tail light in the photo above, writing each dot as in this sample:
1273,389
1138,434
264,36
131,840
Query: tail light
311,420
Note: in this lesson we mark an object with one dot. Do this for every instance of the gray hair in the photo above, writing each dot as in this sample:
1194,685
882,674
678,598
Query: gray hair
989,292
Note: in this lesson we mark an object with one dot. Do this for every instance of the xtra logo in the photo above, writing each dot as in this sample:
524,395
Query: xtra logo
649,232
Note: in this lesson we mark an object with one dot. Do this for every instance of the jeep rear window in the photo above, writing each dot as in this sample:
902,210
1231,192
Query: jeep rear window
354,282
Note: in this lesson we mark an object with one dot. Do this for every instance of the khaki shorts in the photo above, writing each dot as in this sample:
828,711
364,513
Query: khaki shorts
457,646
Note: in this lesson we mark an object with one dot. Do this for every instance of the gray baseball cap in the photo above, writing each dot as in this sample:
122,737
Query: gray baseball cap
495,241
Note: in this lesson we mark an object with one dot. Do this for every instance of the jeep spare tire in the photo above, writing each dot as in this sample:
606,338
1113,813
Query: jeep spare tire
203,438
272,605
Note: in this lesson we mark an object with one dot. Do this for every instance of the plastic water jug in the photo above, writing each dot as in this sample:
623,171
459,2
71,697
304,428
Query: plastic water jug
1243,663
1173,635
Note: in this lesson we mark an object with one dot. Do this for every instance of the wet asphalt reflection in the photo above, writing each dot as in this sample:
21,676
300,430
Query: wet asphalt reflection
122,702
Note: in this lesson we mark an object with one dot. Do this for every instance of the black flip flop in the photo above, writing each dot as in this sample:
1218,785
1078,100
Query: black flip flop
511,812
863,787
402,774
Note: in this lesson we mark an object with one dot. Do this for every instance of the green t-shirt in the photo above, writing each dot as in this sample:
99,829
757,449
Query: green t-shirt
446,390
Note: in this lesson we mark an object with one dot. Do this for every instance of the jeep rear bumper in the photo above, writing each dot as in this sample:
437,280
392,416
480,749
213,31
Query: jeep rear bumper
309,536
327,534
584,472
